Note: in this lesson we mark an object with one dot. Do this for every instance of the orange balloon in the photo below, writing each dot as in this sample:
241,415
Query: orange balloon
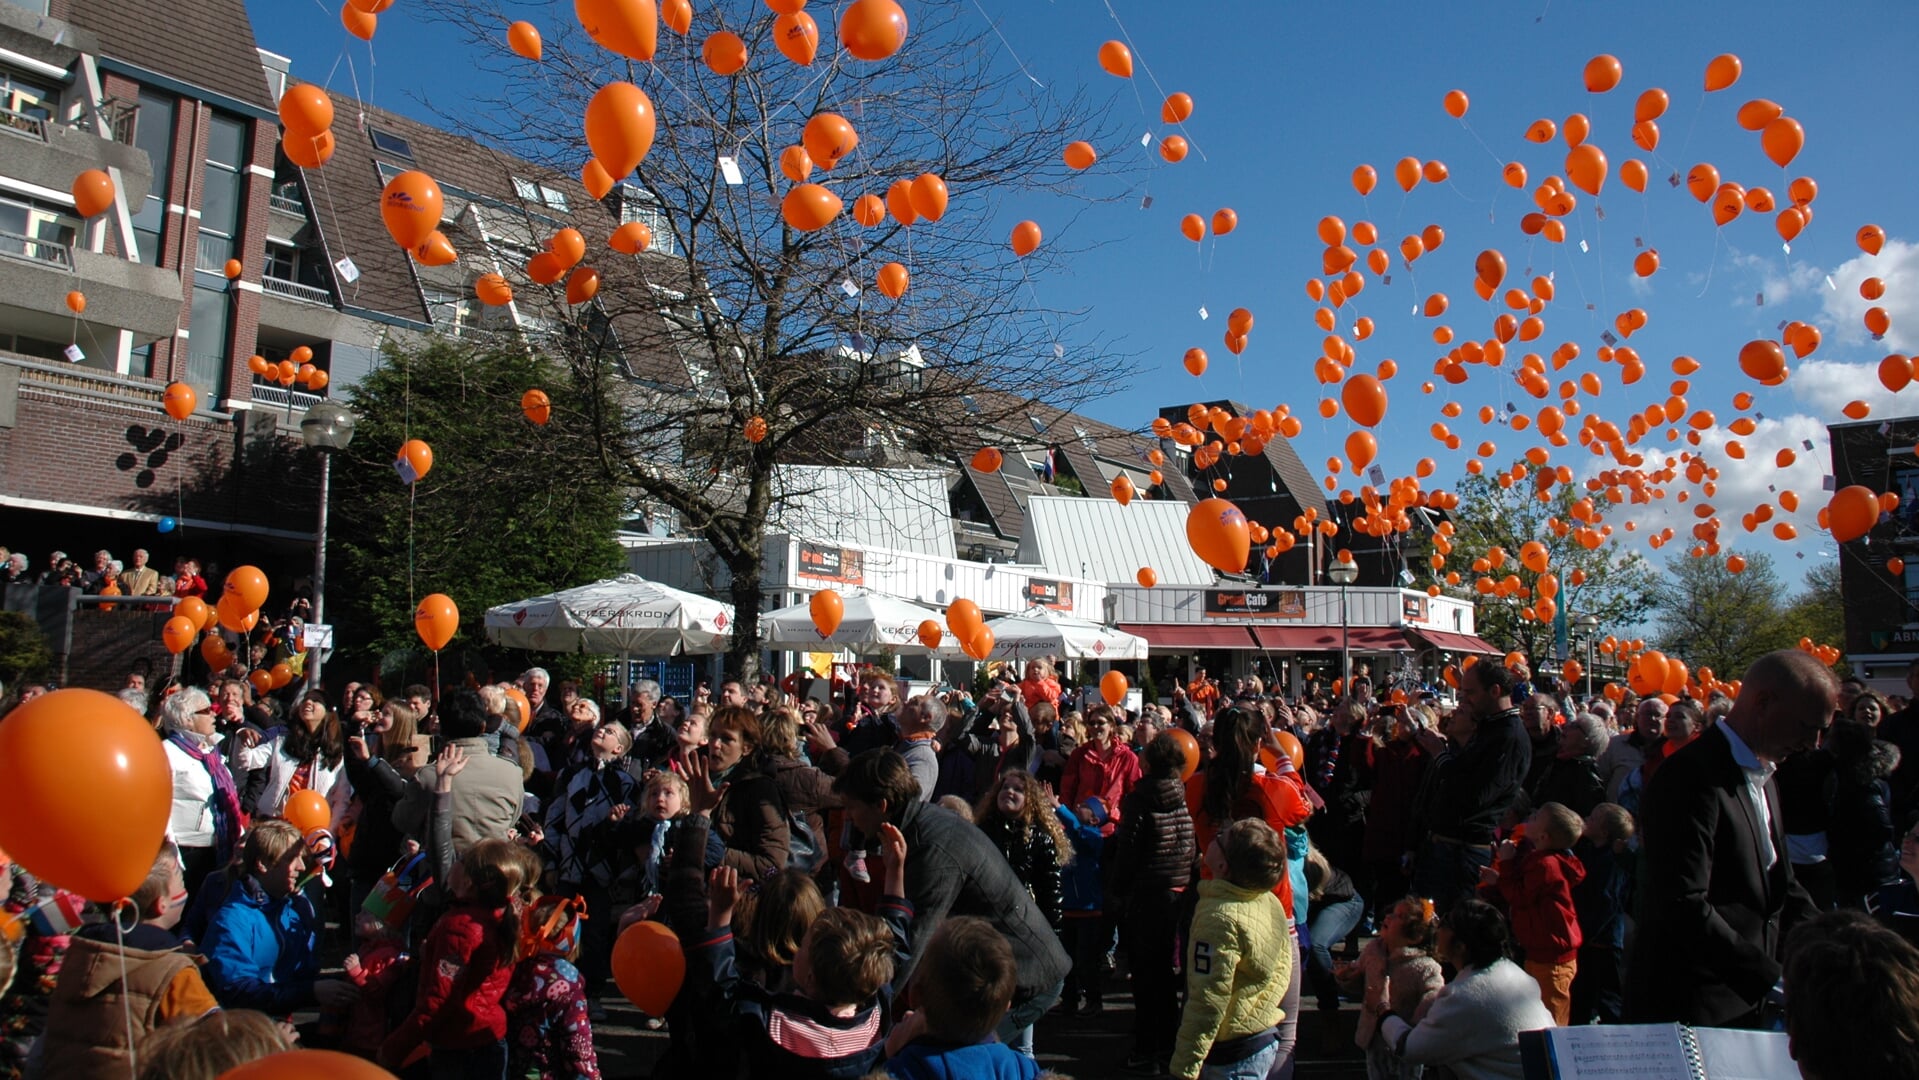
1026,238
1116,59
306,109
524,39
249,585
568,246
797,37
1218,534
677,15
892,280
1782,140
361,24
796,164
981,646
1722,71
308,1065
492,290
1852,512
595,179
648,966
620,125
1602,73
1176,108
828,137
1586,167
1147,577
582,285
1080,155
436,620
418,457
987,460
180,400
308,152
1361,448
518,697
899,202
1224,221
194,610
92,192
1651,105
1365,178
1289,743
1406,172
1364,399
1173,148
1871,238
1456,103
178,634
929,196
827,610
536,406
214,650
411,205
929,633
873,29
869,210
1189,747
437,250
628,27
724,53
307,810
85,793
1193,227
1113,687
631,238
810,207
963,619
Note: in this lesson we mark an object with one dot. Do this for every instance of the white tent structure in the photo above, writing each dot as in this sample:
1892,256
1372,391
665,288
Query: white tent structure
1040,632
873,622
624,616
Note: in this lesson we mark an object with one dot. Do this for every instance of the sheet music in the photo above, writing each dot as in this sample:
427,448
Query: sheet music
1628,1052
1745,1055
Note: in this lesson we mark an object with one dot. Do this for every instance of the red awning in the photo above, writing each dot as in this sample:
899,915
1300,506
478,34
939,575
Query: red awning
1297,638
1190,635
1327,639
1459,643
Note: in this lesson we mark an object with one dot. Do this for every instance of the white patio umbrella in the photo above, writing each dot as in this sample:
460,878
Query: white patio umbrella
873,622
1041,632
627,615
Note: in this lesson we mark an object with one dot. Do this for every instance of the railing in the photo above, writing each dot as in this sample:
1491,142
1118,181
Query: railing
288,204
34,249
281,397
22,124
293,290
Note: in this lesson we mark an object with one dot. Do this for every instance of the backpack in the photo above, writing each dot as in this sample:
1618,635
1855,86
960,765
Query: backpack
804,852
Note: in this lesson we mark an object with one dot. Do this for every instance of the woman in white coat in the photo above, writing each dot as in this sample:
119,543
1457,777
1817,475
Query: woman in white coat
1473,1026
205,822
308,754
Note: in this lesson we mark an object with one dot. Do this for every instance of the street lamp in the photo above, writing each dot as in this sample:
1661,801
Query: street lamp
1344,573
326,428
1588,624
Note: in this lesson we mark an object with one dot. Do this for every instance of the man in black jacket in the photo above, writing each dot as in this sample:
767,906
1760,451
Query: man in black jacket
1475,789
953,869
1716,889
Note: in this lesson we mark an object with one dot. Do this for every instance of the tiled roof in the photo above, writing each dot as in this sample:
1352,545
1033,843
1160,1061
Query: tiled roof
204,43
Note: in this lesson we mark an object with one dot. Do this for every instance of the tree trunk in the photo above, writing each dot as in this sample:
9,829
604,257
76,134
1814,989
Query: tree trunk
743,655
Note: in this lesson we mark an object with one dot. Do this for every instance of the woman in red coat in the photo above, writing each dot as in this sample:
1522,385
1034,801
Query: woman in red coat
1102,767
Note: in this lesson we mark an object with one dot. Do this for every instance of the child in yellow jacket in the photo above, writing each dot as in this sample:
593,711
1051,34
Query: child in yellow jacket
1240,960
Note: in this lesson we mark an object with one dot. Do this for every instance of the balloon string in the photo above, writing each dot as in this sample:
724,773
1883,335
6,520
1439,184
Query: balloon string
1140,57
1717,235
1497,160
126,999
993,26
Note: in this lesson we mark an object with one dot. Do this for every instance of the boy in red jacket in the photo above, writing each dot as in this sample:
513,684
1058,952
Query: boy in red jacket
1536,878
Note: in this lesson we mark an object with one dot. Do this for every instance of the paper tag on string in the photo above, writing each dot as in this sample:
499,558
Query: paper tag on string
1599,211
1203,316
1638,241
1059,351
1146,203
1807,443
1760,416
1376,474
1673,179
1830,285
730,170
1583,249
1387,280
1406,576
349,273
1787,248
1759,299
73,353
1146,139
1828,484
1608,338
1885,428
849,288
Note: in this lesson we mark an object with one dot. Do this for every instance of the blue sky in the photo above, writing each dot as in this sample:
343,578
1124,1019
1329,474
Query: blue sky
1290,97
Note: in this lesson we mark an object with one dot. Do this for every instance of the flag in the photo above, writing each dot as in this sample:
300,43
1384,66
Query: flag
1048,469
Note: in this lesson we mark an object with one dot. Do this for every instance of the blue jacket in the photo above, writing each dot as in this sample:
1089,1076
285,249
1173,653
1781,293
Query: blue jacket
928,1059
263,953
1079,882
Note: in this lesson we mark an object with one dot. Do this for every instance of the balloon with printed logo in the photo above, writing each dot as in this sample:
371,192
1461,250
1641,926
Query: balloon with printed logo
827,609
620,125
180,400
524,39
1871,238
436,620
92,192
436,250
797,37
411,205
1113,687
628,27
85,793
873,29
249,584
178,634
1218,533
536,406
194,610
929,633
828,137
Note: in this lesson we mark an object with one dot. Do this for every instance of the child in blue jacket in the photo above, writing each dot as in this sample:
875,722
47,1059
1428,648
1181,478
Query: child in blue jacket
262,945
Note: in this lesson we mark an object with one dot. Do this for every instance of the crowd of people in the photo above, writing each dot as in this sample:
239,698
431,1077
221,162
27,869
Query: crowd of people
868,886
100,574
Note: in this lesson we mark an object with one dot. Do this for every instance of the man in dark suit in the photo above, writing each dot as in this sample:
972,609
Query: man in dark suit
1717,894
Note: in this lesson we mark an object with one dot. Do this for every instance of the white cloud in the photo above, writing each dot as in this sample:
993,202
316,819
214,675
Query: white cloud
1776,276
1827,386
1897,264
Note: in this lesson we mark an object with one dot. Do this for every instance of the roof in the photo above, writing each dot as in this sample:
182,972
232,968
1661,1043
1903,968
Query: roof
895,509
1102,540
205,43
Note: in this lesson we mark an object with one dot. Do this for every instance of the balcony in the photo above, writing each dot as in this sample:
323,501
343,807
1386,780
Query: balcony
280,397
49,154
293,290
36,275
24,125
288,202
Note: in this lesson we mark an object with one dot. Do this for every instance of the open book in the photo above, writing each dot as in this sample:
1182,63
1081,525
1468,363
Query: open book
1655,1052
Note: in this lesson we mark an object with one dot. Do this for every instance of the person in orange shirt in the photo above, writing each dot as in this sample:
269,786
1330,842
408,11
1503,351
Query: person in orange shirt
1040,684
1203,691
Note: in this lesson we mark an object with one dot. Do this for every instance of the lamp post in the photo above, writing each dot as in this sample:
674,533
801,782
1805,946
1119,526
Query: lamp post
1588,624
326,428
1344,573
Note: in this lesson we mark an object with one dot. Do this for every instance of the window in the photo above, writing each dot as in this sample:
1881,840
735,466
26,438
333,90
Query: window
25,102
207,344
554,198
153,133
283,261
526,189
223,192
637,205
388,143
31,230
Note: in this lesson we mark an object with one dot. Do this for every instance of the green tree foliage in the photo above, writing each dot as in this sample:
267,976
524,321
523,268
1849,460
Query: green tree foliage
1709,616
1617,586
508,510
23,649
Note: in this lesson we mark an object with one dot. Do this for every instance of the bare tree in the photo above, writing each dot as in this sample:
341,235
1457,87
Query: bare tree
760,322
